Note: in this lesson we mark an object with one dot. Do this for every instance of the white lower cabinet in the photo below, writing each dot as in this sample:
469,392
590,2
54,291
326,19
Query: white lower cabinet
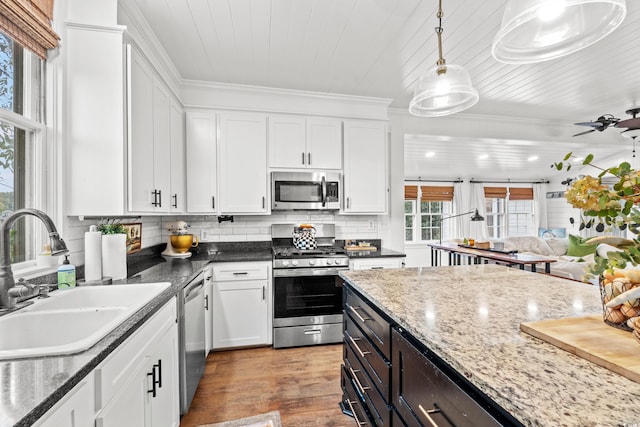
137,385
376,263
242,304
76,409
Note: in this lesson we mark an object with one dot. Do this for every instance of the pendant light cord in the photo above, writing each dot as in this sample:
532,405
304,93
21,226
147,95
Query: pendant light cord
441,62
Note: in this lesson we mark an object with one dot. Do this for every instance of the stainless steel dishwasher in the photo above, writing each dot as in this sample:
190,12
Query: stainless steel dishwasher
191,339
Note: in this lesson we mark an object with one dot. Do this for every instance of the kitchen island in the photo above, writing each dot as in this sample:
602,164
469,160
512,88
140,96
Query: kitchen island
470,316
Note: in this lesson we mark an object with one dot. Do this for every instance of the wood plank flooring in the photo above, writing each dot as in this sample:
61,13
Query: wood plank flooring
302,383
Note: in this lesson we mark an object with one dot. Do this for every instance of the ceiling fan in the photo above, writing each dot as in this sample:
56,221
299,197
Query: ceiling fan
606,120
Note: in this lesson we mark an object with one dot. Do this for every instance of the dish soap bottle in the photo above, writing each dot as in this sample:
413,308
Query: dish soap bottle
66,274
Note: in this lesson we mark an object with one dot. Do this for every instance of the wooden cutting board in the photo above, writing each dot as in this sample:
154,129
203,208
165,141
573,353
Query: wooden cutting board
592,339
361,248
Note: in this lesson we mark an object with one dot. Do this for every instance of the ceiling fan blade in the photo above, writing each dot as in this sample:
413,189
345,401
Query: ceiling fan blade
633,123
592,124
585,132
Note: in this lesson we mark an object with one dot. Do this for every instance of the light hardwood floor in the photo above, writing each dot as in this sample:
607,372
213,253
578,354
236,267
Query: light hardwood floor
302,383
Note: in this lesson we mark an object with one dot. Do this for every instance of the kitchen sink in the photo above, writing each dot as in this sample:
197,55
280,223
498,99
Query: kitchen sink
71,320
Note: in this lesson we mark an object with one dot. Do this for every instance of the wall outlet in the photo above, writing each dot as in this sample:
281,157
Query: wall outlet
372,225
204,235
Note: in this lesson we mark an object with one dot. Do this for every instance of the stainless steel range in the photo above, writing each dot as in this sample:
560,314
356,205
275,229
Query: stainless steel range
307,302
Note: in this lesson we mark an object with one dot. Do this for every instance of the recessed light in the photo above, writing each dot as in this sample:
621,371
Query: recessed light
429,154
483,156
533,158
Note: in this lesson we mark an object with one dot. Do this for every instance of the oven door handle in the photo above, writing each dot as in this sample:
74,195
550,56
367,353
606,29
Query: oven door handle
299,272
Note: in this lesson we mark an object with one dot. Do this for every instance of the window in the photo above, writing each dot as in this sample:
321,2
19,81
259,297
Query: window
424,208
20,152
509,211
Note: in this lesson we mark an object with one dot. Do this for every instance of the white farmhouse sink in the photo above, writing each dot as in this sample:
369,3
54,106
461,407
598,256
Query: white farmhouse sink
71,320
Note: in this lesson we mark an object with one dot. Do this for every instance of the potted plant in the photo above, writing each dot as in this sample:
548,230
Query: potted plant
606,207
114,250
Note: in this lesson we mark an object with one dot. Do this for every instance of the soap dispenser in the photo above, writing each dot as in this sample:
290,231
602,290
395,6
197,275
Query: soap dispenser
66,274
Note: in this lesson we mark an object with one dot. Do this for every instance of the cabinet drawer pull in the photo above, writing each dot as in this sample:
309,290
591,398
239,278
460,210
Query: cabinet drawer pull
152,374
358,384
355,417
426,414
240,273
355,311
175,200
303,158
213,202
308,158
362,353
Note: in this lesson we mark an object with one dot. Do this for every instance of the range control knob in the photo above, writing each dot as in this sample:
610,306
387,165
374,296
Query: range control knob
329,261
285,262
294,262
312,262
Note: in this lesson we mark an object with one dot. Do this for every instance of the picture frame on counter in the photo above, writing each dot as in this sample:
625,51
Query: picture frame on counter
134,237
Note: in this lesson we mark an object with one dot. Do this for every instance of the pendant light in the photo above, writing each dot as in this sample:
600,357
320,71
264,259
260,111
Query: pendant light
445,89
540,30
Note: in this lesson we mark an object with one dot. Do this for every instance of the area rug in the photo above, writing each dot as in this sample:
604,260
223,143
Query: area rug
270,419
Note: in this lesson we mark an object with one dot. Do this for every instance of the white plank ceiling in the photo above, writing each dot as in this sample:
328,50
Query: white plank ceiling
379,48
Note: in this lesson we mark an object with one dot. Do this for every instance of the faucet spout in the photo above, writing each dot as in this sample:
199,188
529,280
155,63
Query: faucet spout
6,275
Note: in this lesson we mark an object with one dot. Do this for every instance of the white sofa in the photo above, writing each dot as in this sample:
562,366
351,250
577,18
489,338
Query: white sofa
569,267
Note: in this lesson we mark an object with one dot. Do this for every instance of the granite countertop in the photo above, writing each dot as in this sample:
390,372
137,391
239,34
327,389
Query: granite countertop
29,387
380,253
470,317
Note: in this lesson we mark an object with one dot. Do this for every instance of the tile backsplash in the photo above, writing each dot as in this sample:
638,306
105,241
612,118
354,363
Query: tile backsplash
243,228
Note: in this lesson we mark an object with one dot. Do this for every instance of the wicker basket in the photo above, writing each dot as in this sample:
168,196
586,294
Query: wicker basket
483,245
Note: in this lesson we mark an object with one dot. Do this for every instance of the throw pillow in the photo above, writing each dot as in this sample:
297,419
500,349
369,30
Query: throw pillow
578,247
558,245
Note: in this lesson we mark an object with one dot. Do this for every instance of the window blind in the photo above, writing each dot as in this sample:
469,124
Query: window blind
520,193
436,193
495,192
410,192
28,22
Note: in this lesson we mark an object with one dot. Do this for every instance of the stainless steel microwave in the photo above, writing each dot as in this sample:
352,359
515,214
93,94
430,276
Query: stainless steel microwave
305,191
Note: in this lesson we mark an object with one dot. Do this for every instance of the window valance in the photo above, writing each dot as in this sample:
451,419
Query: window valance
28,22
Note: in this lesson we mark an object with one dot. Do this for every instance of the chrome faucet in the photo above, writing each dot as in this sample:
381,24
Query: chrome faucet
7,297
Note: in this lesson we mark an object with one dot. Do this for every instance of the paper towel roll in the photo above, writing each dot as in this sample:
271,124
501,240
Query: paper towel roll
114,256
92,256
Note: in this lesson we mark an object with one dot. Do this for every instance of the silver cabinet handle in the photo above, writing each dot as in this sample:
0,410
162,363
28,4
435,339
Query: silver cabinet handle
303,158
358,384
354,310
312,331
355,417
362,353
426,414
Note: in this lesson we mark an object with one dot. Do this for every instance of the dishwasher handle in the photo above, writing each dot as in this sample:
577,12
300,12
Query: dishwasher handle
192,290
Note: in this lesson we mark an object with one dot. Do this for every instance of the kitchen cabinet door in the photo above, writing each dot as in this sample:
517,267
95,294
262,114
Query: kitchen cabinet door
75,409
240,314
244,181
287,142
365,167
324,143
299,143
163,399
201,162
178,197
149,141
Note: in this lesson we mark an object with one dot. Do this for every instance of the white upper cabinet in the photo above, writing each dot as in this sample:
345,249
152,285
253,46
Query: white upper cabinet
365,167
243,164
299,143
178,194
149,139
202,190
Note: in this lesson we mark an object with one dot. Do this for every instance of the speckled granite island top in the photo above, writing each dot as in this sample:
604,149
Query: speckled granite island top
470,317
